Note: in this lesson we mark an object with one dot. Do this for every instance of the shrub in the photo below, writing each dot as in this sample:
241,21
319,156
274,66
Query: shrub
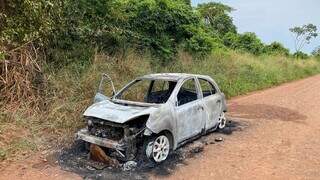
251,43
276,48
231,40
300,55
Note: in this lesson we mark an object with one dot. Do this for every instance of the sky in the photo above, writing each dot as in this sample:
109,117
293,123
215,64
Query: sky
271,19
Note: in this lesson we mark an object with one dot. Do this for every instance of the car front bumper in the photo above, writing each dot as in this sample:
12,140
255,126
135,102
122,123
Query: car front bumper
84,135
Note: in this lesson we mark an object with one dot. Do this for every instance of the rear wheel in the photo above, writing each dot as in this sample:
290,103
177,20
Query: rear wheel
222,121
157,148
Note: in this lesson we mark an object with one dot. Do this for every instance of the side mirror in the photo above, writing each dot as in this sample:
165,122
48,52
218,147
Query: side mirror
102,83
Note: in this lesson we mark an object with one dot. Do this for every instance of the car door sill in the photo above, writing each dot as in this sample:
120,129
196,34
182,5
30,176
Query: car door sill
203,132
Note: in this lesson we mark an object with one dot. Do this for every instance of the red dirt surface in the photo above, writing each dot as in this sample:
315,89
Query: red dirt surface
282,141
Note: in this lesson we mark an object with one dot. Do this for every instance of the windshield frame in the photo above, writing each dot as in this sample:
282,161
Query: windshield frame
123,101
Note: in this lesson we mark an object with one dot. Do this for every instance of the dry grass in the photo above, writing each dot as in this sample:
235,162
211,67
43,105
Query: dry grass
22,81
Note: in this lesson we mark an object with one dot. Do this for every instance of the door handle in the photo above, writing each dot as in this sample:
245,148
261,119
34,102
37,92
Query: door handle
200,108
218,101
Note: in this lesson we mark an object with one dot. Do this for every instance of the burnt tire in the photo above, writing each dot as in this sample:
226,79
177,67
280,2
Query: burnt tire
86,146
157,148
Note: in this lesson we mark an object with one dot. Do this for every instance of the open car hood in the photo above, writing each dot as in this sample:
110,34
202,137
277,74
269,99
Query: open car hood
117,113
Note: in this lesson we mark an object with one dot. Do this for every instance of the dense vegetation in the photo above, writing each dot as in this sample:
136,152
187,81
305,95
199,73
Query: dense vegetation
112,26
52,54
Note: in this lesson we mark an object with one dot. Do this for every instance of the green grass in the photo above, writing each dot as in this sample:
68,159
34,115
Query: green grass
72,88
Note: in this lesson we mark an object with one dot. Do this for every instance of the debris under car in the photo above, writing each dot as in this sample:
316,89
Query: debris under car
152,116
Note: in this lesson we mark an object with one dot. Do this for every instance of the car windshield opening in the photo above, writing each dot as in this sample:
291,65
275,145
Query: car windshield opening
148,91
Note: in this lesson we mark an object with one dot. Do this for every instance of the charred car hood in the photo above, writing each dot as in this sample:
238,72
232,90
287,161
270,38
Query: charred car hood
117,113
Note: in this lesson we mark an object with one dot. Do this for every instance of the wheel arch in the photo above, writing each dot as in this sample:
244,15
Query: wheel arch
168,133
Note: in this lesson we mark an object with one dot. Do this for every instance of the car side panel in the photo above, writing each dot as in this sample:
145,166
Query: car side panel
162,119
190,120
213,107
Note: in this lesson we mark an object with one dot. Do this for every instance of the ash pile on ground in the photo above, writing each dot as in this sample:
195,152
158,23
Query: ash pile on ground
76,159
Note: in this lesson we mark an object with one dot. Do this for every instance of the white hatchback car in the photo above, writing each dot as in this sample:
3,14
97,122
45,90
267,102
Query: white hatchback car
156,113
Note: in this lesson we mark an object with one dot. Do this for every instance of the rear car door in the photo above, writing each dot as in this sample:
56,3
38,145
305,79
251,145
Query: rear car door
189,110
212,102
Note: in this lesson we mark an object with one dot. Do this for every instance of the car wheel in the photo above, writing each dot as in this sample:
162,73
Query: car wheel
157,148
222,121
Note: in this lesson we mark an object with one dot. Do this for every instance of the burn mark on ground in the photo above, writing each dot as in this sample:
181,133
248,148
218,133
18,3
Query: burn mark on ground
267,112
75,158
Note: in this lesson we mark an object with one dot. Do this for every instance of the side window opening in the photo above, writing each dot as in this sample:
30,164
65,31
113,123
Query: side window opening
187,92
207,88
148,91
160,91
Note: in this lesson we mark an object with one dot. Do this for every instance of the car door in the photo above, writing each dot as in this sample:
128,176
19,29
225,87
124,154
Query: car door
189,110
212,102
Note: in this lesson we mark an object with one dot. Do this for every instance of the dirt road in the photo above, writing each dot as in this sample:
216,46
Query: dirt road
282,141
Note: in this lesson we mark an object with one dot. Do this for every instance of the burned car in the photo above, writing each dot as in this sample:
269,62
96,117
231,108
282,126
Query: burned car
154,115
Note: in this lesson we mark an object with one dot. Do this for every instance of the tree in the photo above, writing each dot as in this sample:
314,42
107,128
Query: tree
301,55
161,25
316,52
276,48
303,35
217,18
249,42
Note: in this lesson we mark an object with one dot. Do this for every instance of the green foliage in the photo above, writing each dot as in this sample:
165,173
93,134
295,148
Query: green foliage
276,48
200,44
72,30
250,43
26,20
316,52
188,2
247,42
162,25
216,17
303,35
115,26
231,40
300,55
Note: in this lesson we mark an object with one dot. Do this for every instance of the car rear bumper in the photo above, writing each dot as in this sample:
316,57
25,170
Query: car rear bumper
84,135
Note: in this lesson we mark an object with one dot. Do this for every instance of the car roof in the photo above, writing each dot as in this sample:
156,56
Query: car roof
172,76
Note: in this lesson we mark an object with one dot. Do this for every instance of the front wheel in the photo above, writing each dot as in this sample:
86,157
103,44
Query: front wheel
157,148
222,121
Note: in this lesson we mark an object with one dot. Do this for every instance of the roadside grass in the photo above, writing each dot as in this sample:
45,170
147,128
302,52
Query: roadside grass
16,139
72,90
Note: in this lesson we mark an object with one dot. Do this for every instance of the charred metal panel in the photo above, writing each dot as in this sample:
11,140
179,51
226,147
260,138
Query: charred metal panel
162,119
118,113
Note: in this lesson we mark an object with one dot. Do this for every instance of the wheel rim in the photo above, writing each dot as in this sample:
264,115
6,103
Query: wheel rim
222,121
160,148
